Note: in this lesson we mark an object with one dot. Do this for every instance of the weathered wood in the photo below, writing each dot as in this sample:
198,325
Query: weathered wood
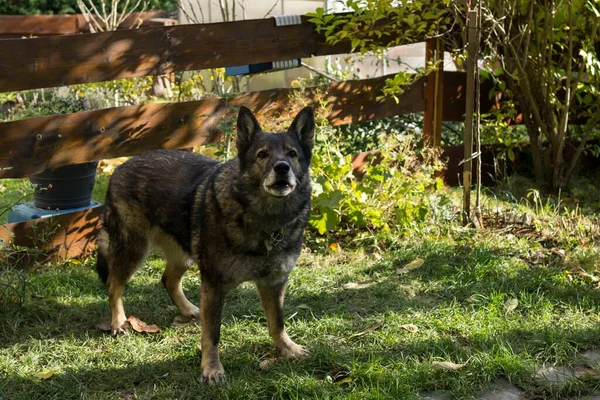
35,144
17,26
63,236
35,25
64,60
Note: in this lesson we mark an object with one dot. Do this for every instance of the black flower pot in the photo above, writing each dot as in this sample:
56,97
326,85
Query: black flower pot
65,187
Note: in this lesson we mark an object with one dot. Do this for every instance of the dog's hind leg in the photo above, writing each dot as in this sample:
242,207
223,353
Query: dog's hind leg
272,295
178,262
124,255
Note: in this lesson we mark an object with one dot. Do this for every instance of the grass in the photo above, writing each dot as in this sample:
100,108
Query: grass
456,300
352,309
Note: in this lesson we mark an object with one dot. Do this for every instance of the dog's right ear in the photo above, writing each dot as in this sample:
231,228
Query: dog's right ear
247,126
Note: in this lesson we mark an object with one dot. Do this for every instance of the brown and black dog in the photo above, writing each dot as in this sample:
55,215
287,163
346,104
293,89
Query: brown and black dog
241,220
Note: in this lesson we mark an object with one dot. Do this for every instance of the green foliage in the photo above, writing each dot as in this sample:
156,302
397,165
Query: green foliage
378,24
24,7
393,194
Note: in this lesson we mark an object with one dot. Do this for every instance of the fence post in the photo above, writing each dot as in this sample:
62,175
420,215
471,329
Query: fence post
432,117
472,46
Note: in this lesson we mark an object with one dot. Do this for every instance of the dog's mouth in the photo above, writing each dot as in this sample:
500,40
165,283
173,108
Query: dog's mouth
280,187
282,184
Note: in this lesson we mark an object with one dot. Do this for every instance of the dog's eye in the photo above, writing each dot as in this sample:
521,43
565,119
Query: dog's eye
262,154
293,153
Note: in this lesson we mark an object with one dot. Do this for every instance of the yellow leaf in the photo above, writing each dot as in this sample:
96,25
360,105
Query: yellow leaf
44,375
446,365
410,327
415,264
510,305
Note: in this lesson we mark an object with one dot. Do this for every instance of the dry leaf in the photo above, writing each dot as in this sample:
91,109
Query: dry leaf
180,320
359,285
591,277
378,325
105,326
267,362
510,305
140,326
410,327
446,365
44,375
338,375
414,264
199,347
304,306
164,375
583,371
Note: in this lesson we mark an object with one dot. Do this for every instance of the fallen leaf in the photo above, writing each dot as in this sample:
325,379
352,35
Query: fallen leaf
359,285
104,326
410,327
338,375
583,371
164,375
510,305
180,320
267,362
414,264
446,365
140,326
335,247
304,307
44,375
591,277
199,347
378,325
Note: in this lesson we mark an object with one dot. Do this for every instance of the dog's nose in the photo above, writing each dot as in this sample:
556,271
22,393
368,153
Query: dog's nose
281,167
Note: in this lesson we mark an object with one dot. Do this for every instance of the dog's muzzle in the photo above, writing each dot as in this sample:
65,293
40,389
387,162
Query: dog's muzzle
280,181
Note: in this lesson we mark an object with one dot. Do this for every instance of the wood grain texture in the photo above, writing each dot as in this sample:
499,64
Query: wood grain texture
65,60
35,144
17,26
63,236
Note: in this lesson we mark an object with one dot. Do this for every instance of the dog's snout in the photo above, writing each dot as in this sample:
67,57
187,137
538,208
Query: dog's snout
281,167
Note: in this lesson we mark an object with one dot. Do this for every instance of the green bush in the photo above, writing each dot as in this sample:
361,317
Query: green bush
393,197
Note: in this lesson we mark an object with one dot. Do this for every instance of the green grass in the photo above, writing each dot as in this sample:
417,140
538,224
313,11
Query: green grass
456,300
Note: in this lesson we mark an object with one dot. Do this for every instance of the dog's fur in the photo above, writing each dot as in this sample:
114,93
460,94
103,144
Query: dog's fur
241,220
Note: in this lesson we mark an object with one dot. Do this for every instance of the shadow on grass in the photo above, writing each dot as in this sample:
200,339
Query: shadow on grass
451,274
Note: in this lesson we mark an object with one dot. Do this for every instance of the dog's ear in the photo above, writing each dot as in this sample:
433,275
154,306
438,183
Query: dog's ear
247,126
304,127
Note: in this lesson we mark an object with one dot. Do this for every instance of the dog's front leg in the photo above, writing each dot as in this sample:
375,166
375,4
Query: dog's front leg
211,307
272,296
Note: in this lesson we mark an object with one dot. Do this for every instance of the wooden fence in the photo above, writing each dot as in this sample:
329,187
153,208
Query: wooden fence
32,145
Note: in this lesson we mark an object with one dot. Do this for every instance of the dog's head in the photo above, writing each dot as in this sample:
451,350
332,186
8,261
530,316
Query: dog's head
277,163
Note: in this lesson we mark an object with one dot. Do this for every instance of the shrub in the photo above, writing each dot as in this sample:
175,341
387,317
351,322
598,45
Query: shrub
393,196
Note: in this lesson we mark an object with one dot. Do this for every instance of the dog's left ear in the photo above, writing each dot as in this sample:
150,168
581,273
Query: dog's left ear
247,126
304,127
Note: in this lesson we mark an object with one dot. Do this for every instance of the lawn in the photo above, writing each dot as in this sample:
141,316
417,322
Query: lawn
499,304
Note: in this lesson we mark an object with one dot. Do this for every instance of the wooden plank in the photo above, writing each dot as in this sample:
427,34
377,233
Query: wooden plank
63,236
64,60
35,144
17,26
27,25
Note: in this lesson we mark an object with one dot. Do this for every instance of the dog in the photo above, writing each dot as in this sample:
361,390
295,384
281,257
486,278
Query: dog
241,220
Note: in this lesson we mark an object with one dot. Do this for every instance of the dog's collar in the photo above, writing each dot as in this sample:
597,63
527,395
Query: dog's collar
274,239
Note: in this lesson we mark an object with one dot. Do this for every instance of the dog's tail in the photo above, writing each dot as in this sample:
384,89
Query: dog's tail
102,267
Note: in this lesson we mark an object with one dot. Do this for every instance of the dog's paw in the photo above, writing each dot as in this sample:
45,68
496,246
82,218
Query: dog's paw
119,327
213,374
294,350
